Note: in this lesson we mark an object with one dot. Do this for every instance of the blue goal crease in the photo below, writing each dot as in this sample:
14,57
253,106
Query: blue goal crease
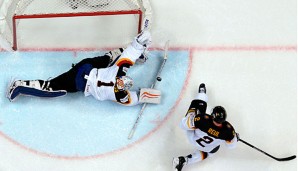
77,125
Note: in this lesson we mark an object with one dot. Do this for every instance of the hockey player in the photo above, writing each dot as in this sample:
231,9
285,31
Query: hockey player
206,132
103,77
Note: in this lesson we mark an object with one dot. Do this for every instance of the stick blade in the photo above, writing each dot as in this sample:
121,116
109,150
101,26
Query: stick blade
130,134
286,158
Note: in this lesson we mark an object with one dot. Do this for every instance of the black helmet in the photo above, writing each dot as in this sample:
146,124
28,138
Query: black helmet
219,114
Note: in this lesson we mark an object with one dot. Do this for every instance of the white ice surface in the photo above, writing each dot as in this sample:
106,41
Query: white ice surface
258,87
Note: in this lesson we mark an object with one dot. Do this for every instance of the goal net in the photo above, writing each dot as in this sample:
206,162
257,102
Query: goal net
71,23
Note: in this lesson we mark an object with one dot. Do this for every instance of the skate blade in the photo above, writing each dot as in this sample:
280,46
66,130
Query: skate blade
12,80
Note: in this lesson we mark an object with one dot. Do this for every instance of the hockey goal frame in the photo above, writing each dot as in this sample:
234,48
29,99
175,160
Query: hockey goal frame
144,16
81,14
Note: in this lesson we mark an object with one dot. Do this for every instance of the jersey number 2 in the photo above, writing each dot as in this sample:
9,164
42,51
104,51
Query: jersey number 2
205,139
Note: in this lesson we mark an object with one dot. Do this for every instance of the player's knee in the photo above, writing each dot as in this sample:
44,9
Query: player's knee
212,152
215,150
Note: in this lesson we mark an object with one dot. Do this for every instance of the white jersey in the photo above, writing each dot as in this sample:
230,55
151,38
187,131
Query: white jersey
101,82
105,76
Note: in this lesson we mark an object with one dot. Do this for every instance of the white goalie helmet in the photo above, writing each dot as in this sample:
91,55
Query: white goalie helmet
124,82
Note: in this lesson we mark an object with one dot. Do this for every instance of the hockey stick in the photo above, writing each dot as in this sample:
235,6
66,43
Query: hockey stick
158,78
275,158
165,57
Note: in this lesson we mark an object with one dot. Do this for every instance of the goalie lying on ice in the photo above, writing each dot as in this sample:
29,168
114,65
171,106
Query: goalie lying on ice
103,77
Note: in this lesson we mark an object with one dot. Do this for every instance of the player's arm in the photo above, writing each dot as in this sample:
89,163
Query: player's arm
196,106
127,98
232,139
135,49
126,60
133,52
188,122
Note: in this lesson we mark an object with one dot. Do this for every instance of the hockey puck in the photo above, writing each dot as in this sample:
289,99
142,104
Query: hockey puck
158,78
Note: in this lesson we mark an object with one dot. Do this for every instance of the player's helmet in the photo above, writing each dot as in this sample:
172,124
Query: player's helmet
124,83
219,114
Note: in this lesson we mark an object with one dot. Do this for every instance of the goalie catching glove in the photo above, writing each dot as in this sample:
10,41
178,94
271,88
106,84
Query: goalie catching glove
142,40
149,95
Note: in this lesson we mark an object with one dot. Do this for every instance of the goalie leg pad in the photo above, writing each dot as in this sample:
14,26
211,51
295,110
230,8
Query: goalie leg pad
149,95
37,88
35,92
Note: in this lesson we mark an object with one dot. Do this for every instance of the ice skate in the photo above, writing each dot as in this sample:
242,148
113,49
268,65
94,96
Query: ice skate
202,88
11,86
179,162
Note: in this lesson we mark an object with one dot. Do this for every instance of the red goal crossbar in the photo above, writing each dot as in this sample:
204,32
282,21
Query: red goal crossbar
81,14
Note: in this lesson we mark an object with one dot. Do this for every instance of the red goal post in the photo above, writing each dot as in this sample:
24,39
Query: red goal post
13,11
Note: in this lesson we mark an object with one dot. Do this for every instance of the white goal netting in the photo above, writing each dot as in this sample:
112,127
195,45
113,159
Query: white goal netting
25,22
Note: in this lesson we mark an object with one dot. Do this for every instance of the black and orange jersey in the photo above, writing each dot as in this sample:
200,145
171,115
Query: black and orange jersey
204,122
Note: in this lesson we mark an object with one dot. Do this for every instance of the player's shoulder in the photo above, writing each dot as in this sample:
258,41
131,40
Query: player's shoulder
203,117
203,121
228,131
228,126
124,61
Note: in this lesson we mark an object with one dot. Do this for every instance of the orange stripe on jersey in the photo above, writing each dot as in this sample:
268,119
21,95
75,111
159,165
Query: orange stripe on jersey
124,61
204,155
229,142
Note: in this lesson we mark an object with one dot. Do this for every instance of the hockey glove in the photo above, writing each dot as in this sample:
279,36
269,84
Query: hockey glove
144,38
142,59
238,136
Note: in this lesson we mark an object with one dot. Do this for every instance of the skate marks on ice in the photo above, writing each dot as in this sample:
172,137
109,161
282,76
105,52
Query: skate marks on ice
75,126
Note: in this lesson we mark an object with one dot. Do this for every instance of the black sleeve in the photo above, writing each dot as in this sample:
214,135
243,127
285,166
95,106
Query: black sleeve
122,96
123,69
198,106
230,131
203,122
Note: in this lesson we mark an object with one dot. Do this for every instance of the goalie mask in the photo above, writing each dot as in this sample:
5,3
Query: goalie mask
219,114
124,83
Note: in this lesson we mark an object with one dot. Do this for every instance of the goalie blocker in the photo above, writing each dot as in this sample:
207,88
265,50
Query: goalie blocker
149,95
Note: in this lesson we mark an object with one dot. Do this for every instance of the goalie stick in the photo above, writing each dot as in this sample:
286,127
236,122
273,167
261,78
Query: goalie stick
275,158
158,78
